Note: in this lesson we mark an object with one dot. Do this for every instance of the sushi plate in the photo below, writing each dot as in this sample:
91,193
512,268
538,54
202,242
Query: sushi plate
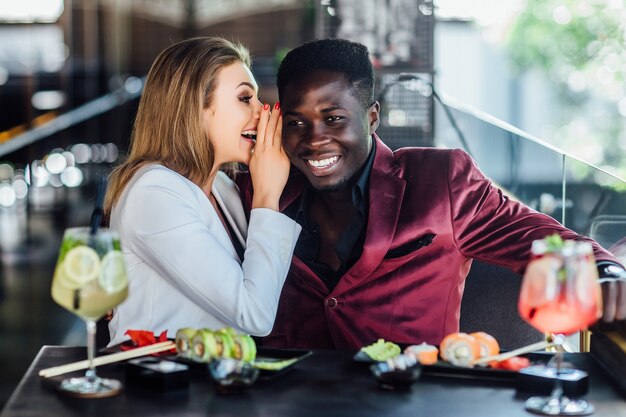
280,360
287,358
445,369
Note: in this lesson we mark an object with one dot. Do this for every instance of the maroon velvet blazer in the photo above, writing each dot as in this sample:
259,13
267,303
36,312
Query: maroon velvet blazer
431,211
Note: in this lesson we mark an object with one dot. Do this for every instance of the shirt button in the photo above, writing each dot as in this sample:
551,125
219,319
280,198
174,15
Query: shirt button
331,303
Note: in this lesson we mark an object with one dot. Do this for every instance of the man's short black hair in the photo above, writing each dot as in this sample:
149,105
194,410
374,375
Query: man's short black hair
336,55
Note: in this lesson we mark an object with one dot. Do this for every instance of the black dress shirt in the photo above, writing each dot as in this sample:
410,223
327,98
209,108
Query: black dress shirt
350,243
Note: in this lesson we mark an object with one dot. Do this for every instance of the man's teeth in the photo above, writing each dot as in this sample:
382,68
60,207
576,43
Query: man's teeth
323,162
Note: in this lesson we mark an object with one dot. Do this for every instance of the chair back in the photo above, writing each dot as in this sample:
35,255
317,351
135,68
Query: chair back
489,304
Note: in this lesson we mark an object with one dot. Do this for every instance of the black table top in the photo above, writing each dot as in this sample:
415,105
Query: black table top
329,383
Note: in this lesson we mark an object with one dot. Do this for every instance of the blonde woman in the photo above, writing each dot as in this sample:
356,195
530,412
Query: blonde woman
193,260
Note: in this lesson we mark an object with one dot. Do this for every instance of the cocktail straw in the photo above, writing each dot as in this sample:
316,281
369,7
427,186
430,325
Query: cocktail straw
96,215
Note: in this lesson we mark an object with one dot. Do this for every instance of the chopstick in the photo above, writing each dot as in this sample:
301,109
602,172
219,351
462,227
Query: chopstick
512,353
104,360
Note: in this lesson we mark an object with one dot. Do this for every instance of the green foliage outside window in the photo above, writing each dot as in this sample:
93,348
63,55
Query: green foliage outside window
581,45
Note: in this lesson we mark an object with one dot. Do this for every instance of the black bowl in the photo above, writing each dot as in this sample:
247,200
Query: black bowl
397,373
232,375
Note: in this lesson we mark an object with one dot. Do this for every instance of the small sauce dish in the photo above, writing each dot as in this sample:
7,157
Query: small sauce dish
232,375
397,373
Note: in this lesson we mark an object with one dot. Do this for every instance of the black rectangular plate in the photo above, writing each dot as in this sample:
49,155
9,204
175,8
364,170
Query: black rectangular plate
262,353
281,354
445,369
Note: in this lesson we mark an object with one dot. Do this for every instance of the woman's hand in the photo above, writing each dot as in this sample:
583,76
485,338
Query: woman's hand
269,164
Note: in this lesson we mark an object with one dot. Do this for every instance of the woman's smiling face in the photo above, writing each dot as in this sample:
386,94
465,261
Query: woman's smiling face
232,117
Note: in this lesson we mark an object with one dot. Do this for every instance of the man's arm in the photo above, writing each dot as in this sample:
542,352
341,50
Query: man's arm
490,227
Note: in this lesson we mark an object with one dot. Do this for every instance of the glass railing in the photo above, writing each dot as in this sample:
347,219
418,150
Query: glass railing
582,197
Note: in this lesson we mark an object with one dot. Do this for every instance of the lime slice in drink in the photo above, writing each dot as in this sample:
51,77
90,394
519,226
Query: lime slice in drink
80,266
64,281
113,272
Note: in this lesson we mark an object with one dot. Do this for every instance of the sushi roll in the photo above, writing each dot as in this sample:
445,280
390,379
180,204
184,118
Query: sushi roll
423,353
204,345
225,347
488,344
246,348
459,349
183,342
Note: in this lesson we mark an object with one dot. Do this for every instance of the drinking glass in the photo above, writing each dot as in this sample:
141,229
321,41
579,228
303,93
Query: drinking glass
90,279
561,295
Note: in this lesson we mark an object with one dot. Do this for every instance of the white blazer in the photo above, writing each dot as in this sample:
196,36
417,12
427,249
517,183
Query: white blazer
182,266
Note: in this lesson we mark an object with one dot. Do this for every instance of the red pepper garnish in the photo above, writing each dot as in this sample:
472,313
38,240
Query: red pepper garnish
512,364
142,338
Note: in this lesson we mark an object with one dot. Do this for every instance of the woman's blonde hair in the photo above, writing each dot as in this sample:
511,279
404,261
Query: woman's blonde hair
168,129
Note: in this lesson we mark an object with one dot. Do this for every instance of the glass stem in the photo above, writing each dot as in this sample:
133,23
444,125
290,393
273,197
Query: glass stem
557,392
91,348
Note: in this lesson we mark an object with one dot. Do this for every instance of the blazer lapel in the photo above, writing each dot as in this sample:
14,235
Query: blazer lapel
300,273
386,191
293,189
227,196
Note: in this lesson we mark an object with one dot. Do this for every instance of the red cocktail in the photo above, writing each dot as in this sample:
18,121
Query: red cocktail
560,294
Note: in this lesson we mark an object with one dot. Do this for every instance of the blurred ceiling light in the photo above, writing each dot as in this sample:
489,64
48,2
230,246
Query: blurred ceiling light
69,158
31,11
112,152
72,177
7,195
39,175
20,187
56,163
96,153
4,75
133,85
82,153
55,181
48,100
27,174
6,172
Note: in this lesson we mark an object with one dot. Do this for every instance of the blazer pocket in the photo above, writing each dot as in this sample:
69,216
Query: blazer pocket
411,246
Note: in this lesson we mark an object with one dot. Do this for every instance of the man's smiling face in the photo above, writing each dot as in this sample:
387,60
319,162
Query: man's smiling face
326,130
